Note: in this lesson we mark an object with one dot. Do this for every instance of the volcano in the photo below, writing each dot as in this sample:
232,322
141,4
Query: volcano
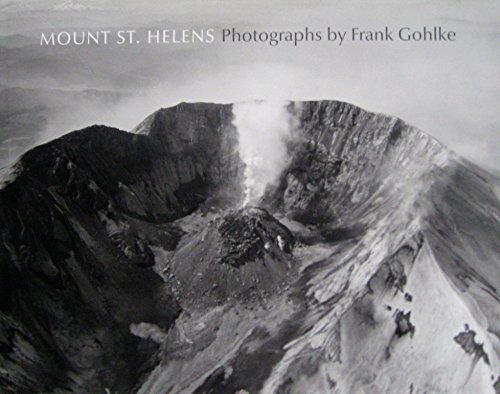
130,263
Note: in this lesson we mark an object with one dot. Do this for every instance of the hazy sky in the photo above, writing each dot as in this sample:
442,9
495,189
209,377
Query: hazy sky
450,90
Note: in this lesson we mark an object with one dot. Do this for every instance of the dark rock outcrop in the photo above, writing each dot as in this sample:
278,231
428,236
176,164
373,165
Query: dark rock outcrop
466,340
250,233
403,324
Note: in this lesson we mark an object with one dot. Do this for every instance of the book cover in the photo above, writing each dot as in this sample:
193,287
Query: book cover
242,197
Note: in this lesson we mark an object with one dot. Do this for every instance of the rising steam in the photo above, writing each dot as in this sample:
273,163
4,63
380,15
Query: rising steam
263,128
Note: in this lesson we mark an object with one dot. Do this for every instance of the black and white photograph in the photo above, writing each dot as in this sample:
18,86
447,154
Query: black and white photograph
244,197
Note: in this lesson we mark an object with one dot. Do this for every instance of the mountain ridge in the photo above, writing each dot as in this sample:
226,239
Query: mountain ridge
376,208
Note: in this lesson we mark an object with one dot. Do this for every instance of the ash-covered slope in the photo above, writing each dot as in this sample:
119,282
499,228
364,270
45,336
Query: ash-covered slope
371,265
422,272
240,255
78,225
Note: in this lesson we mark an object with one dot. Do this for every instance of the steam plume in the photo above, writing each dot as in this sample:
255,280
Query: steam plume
263,128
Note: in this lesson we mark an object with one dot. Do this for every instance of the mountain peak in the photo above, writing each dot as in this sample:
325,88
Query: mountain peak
72,5
366,250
